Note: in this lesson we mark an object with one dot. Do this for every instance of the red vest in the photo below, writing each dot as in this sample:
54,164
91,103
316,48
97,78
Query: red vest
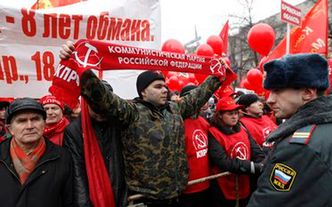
236,145
259,128
196,131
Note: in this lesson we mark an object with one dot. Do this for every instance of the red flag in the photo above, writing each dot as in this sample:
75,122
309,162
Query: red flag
310,37
100,187
46,4
90,54
224,36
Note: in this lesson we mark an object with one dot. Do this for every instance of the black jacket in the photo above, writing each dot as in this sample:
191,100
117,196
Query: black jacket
219,157
299,169
110,144
50,184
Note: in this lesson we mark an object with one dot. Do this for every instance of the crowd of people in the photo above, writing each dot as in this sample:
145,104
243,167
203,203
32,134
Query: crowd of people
156,144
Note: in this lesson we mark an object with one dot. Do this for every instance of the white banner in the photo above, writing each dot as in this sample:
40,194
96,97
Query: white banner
30,40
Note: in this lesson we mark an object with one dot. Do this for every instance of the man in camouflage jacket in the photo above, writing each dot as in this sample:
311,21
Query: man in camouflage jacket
153,136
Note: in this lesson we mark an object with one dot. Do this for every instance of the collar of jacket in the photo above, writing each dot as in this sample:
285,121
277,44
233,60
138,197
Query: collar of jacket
317,111
51,152
151,106
227,130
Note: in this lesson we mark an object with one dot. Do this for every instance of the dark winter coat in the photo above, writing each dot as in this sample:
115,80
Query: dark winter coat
109,142
50,184
299,168
154,144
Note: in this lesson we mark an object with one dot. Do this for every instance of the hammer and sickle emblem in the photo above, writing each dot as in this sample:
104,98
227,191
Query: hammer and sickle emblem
85,63
217,66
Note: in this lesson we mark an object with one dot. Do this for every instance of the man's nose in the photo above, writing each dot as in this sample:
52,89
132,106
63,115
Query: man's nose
164,90
29,124
271,98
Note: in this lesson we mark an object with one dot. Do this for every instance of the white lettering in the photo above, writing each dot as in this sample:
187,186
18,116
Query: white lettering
318,44
201,153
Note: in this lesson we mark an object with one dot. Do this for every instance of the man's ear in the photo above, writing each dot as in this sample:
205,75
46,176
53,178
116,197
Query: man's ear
143,93
9,129
309,94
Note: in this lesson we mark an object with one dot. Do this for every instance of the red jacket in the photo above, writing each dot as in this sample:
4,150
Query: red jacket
196,148
236,145
259,128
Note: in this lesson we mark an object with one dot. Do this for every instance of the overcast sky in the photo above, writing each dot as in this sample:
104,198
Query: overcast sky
179,17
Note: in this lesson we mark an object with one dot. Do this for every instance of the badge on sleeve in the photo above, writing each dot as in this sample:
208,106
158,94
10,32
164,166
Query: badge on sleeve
282,177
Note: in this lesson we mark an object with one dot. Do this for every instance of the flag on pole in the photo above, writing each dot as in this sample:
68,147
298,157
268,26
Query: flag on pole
224,36
310,37
47,4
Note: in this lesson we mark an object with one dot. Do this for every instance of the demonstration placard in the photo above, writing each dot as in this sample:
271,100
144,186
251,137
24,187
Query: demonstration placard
30,39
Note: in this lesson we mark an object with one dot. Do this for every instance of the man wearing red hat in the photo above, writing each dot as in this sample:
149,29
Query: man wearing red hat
232,149
55,121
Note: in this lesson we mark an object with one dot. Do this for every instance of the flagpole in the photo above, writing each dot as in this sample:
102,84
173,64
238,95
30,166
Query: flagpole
288,39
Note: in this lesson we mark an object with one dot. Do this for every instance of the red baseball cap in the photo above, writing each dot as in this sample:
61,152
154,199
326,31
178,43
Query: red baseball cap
227,104
49,99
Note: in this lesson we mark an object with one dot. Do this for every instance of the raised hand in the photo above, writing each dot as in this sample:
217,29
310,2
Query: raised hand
67,50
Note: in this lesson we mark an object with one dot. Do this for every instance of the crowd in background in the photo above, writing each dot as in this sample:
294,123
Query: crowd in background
108,148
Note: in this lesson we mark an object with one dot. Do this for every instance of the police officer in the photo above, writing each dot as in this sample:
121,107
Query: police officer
298,171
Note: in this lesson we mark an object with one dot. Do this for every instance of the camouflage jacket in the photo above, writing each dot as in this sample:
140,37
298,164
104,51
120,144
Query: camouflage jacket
153,138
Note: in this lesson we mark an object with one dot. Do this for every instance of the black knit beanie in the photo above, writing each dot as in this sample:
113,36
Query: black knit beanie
247,99
145,79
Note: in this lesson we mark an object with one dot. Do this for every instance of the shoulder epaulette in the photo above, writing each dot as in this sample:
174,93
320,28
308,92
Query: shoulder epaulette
302,135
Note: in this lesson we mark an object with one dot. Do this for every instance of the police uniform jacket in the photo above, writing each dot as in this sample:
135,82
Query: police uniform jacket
299,167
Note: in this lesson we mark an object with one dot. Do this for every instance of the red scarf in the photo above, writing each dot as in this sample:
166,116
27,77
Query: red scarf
98,55
54,133
24,164
100,187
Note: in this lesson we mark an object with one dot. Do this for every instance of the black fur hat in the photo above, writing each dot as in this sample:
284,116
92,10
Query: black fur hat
297,71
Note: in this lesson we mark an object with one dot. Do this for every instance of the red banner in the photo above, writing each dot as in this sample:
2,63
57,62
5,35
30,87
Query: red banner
310,37
101,56
107,56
